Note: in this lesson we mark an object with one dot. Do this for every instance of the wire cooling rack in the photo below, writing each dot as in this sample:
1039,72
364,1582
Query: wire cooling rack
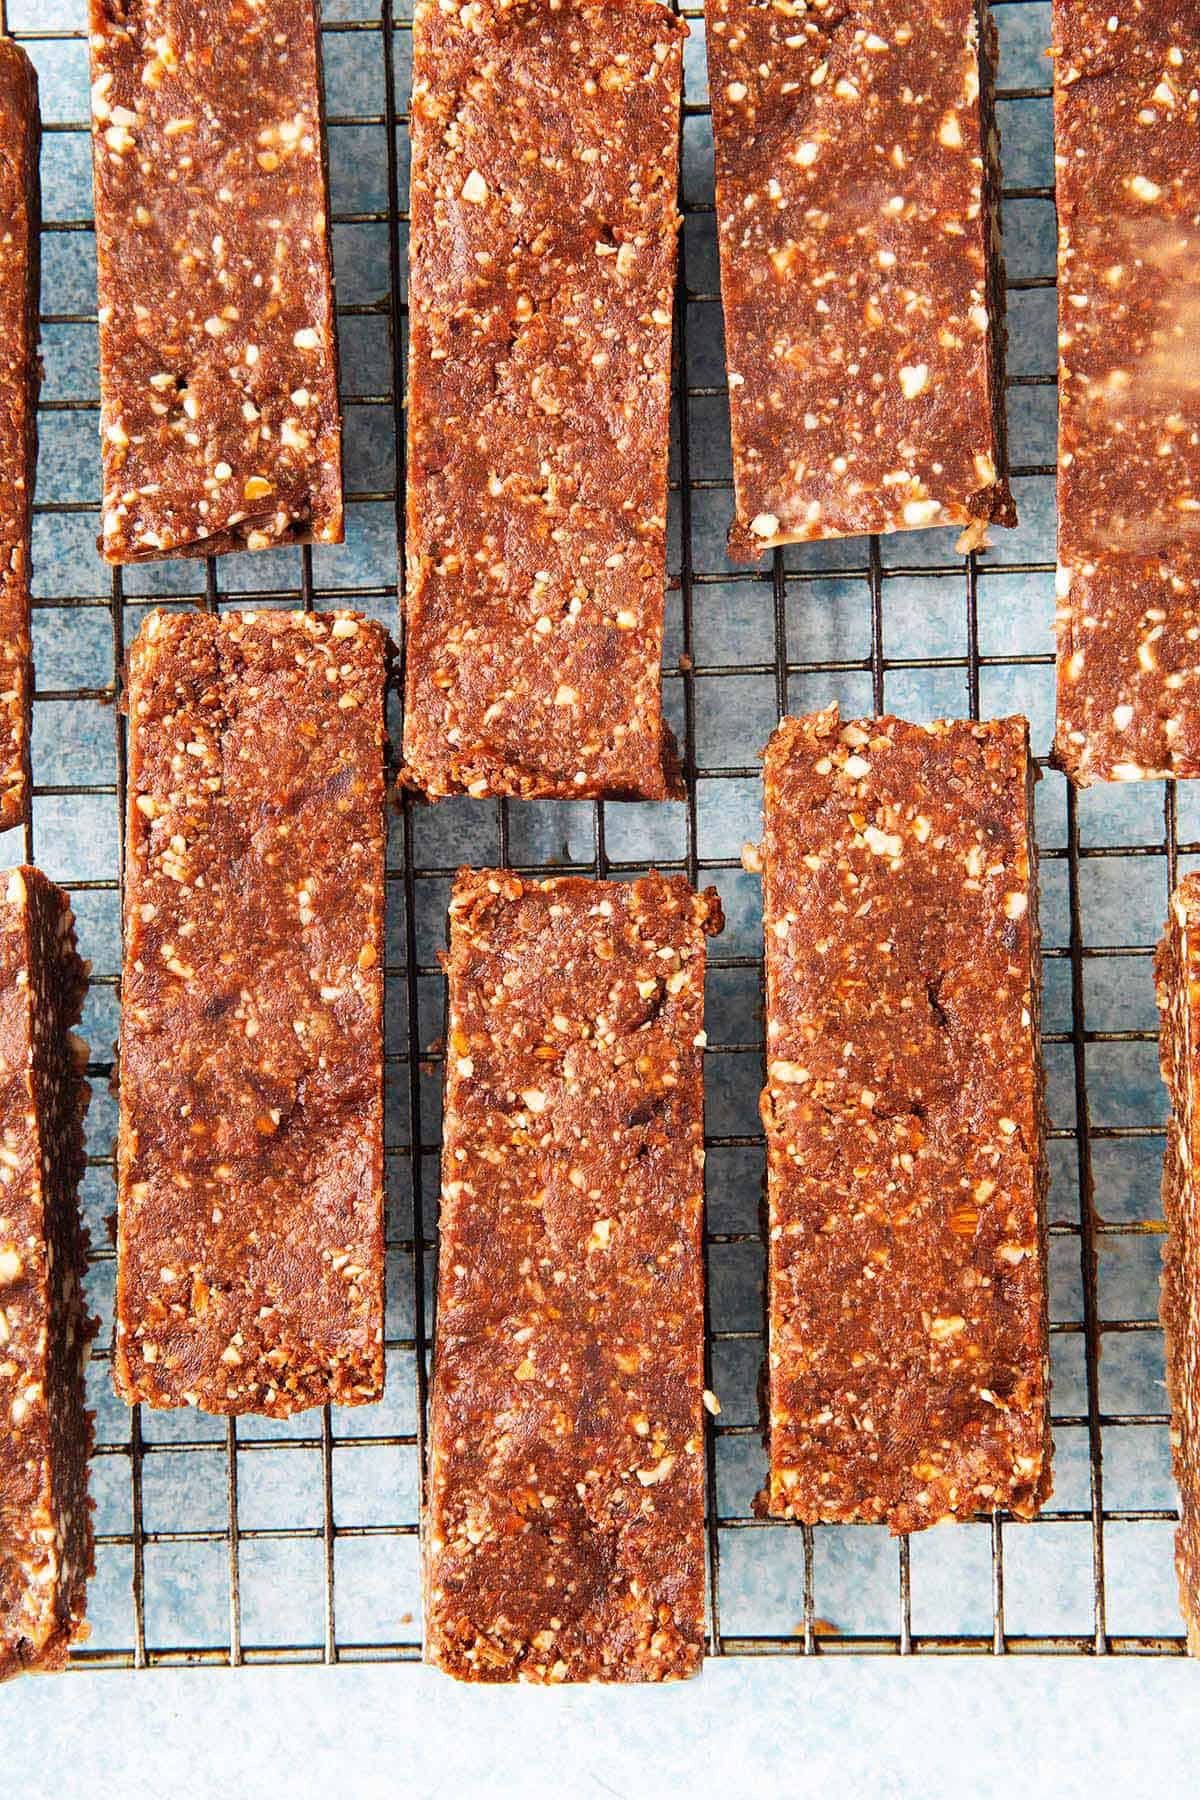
250,1541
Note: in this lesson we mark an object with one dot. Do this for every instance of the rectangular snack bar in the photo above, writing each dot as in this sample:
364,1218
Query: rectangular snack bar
1177,973
250,1156
45,1514
1126,117
20,131
564,1530
857,169
542,270
218,360
908,1355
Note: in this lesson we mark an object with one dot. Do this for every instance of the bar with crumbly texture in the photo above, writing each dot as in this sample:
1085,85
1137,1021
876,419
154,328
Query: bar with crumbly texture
46,1549
564,1529
20,131
1177,980
907,1309
250,1153
219,408
542,269
858,218
1126,124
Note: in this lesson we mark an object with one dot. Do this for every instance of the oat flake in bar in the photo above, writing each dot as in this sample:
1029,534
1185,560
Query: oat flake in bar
1177,971
863,286
218,367
564,1531
250,1239
45,1430
908,1346
19,372
543,243
1127,161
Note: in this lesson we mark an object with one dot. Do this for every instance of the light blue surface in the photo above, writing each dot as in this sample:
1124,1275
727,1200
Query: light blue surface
803,1729
854,1729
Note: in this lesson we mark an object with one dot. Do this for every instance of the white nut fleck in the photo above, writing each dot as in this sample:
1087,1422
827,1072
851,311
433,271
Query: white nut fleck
789,1074
660,1471
883,843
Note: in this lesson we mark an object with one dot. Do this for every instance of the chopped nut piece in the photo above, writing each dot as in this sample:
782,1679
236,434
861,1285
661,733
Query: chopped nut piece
904,1126
914,379
858,217
210,319
19,371
45,1431
1128,194
542,285
1177,980
251,1125
564,1527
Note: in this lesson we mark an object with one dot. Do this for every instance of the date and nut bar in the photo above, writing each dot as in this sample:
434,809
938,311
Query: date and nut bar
1177,979
250,1154
1126,118
907,1307
542,270
20,131
857,171
219,408
46,1550
564,1529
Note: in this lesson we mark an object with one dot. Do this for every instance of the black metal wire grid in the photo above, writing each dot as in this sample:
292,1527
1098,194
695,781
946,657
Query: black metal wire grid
132,1534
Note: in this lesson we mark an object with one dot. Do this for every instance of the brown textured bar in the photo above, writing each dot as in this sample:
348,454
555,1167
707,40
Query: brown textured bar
908,1354
564,1533
1126,124
543,239
45,1514
250,1241
858,216
19,374
1177,971
218,360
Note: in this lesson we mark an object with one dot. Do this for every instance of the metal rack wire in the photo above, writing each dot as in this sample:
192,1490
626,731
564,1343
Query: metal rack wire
130,1536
